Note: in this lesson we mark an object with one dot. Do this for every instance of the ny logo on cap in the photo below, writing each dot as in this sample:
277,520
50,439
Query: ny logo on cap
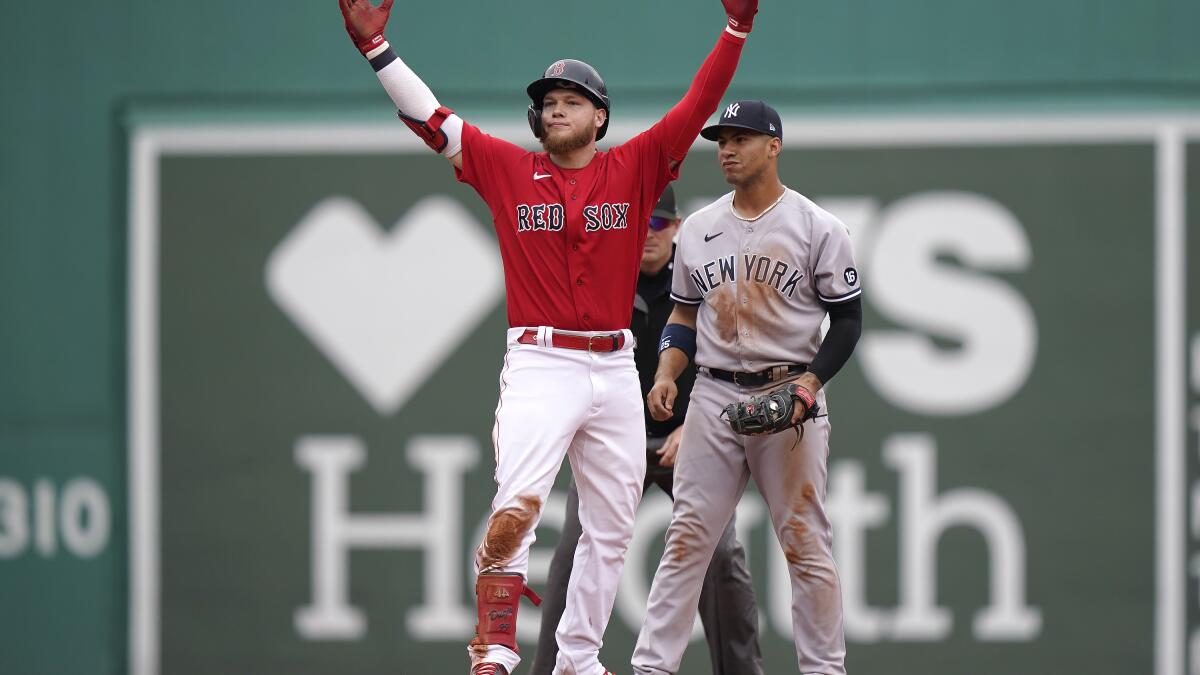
732,110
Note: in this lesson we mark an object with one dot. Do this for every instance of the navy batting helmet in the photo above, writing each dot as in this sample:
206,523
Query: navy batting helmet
567,74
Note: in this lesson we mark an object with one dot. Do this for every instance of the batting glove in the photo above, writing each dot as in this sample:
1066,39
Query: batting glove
365,22
741,14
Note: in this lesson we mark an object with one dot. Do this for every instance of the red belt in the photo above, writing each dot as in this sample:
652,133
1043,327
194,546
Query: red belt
606,342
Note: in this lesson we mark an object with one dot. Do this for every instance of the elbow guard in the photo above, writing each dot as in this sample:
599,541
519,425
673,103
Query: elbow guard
678,336
434,130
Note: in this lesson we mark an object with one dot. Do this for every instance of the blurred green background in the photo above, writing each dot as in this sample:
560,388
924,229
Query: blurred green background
78,78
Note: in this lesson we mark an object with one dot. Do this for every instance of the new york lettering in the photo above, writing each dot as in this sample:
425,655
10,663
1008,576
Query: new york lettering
757,268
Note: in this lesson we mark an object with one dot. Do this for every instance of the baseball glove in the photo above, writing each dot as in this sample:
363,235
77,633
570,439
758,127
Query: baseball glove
771,412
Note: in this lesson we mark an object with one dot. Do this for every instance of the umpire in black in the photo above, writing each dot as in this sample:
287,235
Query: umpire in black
727,603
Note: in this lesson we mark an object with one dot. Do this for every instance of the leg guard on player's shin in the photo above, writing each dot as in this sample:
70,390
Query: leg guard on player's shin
497,597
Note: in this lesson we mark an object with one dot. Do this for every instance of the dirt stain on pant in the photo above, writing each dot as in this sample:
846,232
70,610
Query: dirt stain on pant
797,547
478,649
506,530
685,541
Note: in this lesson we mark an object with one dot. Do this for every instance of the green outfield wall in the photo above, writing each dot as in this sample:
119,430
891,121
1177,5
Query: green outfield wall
1015,477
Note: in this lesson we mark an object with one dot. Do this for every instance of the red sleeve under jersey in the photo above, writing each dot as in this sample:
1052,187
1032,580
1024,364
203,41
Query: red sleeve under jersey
674,134
681,125
669,140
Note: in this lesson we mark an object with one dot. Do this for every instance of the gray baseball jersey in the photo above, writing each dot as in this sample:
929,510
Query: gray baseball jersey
761,283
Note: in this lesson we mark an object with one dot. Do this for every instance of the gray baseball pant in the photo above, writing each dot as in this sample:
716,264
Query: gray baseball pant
711,474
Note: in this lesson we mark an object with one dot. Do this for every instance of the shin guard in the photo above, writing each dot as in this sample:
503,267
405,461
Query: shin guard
497,597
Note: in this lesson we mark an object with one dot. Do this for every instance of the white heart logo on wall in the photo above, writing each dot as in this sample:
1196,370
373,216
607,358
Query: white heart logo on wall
368,299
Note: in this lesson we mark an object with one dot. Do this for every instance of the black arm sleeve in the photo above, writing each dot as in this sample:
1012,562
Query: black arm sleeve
845,325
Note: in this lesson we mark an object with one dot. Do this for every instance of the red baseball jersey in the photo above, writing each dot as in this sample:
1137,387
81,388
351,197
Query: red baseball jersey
571,239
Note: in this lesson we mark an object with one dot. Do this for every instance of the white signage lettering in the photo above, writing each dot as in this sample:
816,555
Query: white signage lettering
447,613
990,323
335,532
924,517
14,519
80,514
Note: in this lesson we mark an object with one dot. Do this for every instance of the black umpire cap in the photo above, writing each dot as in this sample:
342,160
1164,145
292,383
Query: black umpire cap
752,115
665,208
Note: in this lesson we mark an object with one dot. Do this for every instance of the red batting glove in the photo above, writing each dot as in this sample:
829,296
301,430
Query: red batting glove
365,22
741,14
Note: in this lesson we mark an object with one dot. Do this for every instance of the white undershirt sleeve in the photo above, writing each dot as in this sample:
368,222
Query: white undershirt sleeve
452,127
414,98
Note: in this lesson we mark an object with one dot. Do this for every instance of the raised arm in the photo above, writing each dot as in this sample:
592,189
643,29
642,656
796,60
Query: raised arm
682,123
415,103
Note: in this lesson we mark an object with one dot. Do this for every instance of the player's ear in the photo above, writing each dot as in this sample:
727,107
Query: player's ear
601,116
776,147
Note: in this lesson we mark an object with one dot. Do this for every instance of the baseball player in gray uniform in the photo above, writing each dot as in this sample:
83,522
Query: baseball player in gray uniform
756,273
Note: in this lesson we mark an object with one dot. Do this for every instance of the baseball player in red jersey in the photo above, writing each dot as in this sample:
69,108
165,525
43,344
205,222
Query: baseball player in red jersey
571,222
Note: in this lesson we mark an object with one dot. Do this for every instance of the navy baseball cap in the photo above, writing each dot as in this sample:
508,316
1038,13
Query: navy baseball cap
752,115
665,208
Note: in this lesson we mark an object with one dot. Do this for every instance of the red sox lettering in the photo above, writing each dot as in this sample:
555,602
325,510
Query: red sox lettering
606,217
550,217
540,217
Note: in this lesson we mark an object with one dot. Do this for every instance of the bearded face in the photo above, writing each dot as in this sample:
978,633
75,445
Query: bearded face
564,141
570,121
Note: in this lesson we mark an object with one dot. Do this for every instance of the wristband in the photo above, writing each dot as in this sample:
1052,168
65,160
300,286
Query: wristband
678,336
381,56
373,44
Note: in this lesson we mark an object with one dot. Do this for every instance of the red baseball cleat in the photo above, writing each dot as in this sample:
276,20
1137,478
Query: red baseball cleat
489,669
